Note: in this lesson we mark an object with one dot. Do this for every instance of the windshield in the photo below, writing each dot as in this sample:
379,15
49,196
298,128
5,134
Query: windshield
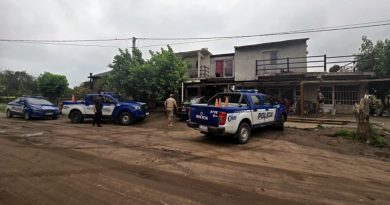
232,98
38,101
194,100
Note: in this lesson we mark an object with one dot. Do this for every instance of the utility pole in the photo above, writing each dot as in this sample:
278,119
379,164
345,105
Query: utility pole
133,47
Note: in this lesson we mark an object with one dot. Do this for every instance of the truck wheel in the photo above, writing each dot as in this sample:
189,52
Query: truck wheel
243,133
27,116
8,114
280,125
76,117
126,118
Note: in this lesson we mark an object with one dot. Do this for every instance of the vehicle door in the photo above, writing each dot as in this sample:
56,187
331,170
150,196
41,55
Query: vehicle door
17,106
89,104
269,108
109,104
258,112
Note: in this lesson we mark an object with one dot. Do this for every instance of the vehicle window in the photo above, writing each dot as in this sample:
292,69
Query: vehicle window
268,101
243,101
16,100
107,99
255,100
38,101
203,100
233,98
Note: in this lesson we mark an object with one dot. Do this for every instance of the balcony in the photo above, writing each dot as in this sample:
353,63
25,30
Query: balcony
204,72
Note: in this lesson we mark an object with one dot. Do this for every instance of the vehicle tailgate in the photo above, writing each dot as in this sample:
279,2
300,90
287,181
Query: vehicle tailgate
204,114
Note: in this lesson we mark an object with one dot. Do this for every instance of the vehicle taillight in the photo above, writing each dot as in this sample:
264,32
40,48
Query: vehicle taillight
221,118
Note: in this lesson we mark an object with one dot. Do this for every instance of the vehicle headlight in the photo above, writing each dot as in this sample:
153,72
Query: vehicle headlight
137,107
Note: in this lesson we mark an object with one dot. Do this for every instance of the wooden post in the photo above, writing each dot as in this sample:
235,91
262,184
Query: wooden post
324,63
361,112
288,65
302,98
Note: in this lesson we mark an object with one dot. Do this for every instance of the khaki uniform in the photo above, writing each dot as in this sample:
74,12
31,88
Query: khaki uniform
170,106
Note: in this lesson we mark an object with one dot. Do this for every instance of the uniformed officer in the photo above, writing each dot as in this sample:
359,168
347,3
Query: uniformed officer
170,106
98,111
320,100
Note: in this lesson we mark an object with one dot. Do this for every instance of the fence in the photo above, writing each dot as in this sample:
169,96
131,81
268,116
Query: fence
295,64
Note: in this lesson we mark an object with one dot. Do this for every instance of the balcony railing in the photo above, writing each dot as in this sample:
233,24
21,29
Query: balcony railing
204,72
296,64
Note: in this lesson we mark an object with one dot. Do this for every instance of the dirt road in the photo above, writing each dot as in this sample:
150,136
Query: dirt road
56,162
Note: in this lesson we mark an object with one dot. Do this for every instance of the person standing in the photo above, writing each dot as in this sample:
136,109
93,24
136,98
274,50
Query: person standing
98,107
170,106
320,100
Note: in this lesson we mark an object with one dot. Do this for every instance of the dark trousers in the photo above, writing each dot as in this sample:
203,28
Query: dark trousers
97,118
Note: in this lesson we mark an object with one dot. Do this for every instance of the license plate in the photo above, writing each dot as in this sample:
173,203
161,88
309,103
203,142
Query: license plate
203,128
147,113
49,113
183,109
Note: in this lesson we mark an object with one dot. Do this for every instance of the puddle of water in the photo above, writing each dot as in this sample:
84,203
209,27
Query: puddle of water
34,134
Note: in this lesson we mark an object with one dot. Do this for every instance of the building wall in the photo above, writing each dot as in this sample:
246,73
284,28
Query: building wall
214,59
192,61
245,59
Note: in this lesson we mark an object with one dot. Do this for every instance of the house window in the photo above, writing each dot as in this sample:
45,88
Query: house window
328,94
223,68
219,68
346,95
228,68
273,57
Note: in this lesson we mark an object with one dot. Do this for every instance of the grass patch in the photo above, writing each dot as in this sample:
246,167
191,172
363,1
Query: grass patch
320,126
2,107
348,134
376,139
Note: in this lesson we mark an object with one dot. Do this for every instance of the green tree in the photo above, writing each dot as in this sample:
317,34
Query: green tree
16,83
52,85
167,70
80,91
150,80
374,57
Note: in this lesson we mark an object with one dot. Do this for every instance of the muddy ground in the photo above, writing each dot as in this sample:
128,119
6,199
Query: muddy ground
56,162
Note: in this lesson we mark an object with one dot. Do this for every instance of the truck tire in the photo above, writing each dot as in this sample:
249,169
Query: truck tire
8,114
76,116
126,118
280,123
243,133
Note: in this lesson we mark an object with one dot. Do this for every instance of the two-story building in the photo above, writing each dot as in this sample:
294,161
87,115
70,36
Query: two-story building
243,67
280,69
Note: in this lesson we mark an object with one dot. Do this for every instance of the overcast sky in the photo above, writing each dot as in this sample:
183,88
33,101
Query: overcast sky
99,19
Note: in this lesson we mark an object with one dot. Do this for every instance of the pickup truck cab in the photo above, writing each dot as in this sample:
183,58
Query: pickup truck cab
125,112
237,114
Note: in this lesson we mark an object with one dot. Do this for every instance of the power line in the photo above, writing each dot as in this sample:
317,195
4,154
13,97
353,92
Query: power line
335,28
74,44
66,41
180,43
199,39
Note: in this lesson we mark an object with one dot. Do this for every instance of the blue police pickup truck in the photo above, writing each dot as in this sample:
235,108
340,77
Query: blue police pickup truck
237,113
124,112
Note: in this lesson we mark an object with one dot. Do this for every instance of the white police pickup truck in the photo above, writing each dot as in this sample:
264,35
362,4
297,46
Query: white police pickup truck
124,112
237,114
